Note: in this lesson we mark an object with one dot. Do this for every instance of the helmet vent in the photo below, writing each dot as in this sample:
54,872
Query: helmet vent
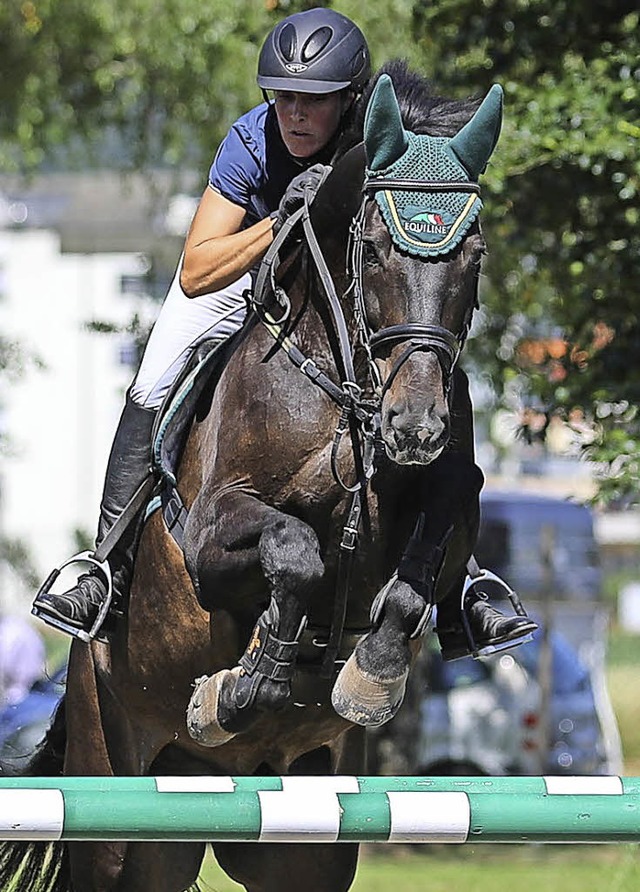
358,63
316,43
287,42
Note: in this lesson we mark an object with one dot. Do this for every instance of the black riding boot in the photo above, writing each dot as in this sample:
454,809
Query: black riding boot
128,466
475,628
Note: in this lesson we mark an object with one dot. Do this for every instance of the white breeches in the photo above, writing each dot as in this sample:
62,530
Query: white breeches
183,323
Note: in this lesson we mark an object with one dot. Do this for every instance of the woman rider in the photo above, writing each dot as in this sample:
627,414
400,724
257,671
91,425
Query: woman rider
317,64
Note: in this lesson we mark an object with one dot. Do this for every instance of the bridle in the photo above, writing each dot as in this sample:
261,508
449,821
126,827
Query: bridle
361,406
437,339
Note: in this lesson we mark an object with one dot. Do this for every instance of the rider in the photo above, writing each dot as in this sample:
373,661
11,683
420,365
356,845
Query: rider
317,64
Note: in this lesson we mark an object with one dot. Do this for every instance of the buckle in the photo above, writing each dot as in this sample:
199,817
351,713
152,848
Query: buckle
349,538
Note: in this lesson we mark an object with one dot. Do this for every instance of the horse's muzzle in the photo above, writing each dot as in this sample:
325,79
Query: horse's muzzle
415,420
412,453
410,438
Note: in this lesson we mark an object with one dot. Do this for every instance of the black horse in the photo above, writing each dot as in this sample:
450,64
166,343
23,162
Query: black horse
333,500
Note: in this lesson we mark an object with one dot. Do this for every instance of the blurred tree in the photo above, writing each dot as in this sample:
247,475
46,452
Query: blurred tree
13,360
139,82
560,325
153,71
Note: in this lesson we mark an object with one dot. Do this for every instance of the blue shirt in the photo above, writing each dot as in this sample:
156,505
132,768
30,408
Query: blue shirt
252,168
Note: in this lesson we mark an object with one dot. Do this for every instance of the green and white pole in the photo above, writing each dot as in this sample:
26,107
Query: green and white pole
323,809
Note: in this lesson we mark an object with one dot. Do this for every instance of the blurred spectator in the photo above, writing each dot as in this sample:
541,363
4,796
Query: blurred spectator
22,659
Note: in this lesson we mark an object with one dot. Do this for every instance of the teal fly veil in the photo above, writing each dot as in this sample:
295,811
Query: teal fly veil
425,186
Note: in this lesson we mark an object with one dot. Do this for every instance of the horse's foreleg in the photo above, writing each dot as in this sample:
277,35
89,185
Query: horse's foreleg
370,687
290,561
286,552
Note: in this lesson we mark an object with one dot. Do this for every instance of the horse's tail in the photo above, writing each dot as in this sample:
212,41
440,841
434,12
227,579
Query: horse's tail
41,866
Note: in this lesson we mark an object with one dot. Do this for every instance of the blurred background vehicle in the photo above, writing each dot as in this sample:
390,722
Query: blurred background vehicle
542,707
546,549
487,716
542,545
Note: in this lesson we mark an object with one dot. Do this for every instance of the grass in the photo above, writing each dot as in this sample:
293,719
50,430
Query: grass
493,868
623,663
481,869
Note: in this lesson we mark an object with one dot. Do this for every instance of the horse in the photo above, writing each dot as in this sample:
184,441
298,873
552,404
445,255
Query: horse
332,501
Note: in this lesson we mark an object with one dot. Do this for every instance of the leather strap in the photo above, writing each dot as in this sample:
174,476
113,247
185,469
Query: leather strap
139,498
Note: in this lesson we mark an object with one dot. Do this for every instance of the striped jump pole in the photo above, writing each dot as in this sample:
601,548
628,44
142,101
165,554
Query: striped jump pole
323,809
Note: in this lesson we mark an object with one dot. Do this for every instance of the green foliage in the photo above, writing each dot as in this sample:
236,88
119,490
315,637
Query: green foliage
15,555
163,79
154,71
133,83
561,321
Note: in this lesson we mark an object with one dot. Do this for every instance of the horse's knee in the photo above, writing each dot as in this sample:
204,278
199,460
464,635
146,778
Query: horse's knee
290,555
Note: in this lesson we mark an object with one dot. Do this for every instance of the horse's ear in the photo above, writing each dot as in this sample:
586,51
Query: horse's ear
385,139
474,144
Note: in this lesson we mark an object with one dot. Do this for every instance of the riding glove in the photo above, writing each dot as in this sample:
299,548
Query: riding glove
306,183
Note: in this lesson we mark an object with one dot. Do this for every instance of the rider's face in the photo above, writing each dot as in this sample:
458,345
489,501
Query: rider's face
307,121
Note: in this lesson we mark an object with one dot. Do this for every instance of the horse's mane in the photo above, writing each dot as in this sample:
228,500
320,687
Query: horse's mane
423,111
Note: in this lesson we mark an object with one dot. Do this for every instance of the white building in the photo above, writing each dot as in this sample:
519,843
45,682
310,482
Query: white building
59,415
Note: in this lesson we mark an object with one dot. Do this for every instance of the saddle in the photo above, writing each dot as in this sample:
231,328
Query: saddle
173,423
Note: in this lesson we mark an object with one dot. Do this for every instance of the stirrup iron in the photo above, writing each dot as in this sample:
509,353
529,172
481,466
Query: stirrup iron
104,570
475,576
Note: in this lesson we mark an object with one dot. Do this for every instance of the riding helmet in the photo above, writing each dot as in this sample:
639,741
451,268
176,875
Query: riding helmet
315,51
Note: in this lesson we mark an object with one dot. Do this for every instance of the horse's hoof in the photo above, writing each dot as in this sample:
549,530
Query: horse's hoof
363,700
202,711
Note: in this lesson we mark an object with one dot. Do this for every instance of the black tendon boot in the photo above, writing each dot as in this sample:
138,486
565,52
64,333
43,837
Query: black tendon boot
467,624
128,467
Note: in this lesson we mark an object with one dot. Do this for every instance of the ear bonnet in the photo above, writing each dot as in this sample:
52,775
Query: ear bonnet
426,186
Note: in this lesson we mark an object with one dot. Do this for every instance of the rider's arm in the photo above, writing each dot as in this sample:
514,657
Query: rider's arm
217,251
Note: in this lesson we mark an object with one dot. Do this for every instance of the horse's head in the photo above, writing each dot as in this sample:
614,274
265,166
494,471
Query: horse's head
416,260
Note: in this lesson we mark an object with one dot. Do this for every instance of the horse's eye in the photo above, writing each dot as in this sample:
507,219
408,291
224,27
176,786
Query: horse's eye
370,254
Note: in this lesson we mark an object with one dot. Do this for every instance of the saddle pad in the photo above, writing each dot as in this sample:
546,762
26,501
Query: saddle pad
179,406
